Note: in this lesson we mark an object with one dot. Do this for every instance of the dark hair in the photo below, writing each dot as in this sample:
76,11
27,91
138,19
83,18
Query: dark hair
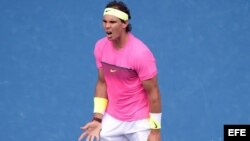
120,6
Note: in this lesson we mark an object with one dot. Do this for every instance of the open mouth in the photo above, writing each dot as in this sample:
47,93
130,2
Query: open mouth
108,33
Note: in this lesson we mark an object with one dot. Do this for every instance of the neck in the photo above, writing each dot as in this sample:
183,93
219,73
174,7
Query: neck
121,41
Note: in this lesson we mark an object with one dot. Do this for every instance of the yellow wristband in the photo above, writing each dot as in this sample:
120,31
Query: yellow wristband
100,105
155,120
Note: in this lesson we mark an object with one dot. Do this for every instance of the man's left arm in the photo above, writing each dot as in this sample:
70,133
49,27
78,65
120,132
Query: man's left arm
152,89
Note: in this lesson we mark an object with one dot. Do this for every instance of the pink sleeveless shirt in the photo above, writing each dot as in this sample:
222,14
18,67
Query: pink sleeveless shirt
124,70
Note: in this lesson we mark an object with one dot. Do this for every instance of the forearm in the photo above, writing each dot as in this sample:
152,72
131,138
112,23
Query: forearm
155,110
152,88
155,101
154,98
100,97
100,90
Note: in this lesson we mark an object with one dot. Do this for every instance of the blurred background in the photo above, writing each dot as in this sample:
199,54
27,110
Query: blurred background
48,72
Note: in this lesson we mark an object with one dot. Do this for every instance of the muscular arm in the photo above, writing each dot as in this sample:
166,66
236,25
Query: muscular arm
100,90
92,129
152,88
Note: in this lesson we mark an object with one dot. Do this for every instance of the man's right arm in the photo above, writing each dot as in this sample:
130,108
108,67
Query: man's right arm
100,90
92,129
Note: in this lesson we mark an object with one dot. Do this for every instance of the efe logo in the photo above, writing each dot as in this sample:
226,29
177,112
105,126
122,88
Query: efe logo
236,133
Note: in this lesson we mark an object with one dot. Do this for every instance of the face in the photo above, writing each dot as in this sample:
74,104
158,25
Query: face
113,27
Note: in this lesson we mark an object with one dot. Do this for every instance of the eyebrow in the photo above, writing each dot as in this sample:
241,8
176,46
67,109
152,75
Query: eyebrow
112,21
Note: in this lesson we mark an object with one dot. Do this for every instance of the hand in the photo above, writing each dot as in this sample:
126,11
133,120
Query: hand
155,135
91,130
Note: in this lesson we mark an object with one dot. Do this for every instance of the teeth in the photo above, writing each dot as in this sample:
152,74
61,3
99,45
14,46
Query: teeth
109,32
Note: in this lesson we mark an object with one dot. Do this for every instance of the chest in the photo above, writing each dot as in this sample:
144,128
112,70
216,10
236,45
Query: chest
116,72
122,58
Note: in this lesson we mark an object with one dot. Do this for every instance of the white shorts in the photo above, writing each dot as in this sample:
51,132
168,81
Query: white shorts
116,130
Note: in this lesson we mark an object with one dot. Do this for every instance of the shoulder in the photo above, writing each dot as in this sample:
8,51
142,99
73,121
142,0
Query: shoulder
140,49
100,44
135,41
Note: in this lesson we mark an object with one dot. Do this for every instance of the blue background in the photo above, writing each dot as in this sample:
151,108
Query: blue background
48,72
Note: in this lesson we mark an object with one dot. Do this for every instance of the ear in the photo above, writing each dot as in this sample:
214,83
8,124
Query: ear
125,24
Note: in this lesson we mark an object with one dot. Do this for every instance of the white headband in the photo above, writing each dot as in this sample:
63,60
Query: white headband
115,12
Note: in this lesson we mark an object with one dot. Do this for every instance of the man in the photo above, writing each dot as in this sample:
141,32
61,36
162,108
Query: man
127,103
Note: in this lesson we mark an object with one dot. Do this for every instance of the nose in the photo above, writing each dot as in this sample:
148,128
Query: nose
106,25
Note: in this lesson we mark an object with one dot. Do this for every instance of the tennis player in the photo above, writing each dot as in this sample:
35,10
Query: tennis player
127,103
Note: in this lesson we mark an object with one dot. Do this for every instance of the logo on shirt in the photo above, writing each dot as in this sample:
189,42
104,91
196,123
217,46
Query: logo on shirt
113,70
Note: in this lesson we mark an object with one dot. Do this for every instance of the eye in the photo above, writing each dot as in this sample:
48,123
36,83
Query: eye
104,21
113,22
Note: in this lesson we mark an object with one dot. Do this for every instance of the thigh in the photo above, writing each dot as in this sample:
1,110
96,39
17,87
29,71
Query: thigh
139,136
114,138
111,126
112,129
